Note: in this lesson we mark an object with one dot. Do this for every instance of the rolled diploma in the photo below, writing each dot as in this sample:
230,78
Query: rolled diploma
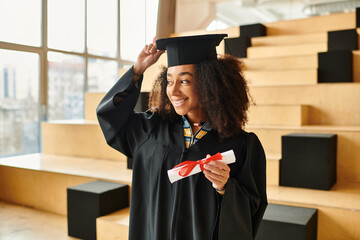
228,157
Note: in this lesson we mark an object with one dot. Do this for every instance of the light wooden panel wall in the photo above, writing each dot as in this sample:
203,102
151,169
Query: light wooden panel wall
331,104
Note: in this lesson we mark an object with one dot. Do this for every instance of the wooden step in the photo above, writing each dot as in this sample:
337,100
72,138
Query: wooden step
338,209
278,115
295,62
281,63
114,226
331,103
348,147
54,173
272,169
231,32
281,77
331,22
356,64
40,180
78,138
285,50
92,100
320,37
18,222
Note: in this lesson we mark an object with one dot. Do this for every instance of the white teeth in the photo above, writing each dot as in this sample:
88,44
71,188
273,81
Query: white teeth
178,102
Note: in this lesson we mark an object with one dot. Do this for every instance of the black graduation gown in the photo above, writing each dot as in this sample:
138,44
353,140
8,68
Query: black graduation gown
189,208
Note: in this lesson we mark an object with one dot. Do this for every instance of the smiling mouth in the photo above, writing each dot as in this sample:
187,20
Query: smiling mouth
178,103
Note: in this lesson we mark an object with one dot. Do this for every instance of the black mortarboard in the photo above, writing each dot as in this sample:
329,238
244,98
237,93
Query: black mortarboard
190,49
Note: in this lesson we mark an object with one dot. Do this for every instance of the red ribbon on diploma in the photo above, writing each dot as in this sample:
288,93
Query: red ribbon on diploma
185,170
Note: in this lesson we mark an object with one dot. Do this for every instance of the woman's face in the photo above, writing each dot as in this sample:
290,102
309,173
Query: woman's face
181,91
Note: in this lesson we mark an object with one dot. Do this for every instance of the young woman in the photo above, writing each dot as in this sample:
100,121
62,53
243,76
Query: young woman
198,108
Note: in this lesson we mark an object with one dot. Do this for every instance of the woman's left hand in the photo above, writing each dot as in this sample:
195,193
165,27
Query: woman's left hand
217,173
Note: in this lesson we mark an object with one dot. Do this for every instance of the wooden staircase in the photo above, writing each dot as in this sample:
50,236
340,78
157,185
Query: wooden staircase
282,72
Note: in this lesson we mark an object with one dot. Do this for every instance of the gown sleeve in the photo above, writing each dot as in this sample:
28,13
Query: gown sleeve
124,130
245,201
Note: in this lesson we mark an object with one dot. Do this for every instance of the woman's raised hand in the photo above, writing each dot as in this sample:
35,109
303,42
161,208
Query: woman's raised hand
148,56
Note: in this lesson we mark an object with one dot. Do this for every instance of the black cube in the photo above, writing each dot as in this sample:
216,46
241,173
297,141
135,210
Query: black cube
237,46
358,17
335,66
343,40
287,222
308,160
252,30
86,202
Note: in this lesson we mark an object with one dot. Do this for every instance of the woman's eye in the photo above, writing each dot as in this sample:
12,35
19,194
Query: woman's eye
169,82
184,81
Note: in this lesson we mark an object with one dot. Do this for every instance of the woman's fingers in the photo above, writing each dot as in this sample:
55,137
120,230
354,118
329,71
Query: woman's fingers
152,48
146,49
218,177
215,182
215,170
218,164
217,173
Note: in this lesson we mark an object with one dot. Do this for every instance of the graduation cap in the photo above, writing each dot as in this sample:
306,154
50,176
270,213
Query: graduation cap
190,49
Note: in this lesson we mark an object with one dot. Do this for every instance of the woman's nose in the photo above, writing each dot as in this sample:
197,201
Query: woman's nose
175,89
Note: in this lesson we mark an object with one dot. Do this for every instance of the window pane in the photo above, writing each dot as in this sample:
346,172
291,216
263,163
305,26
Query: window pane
132,28
20,21
65,86
102,74
137,26
19,103
102,27
66,25
151,19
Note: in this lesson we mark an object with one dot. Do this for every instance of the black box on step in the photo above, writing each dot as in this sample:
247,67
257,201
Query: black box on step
358,17
335,66
287,222
237,46
86,202
308,160
343,40
252,30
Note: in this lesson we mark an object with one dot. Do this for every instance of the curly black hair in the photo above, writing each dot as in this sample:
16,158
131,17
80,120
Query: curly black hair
222,90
